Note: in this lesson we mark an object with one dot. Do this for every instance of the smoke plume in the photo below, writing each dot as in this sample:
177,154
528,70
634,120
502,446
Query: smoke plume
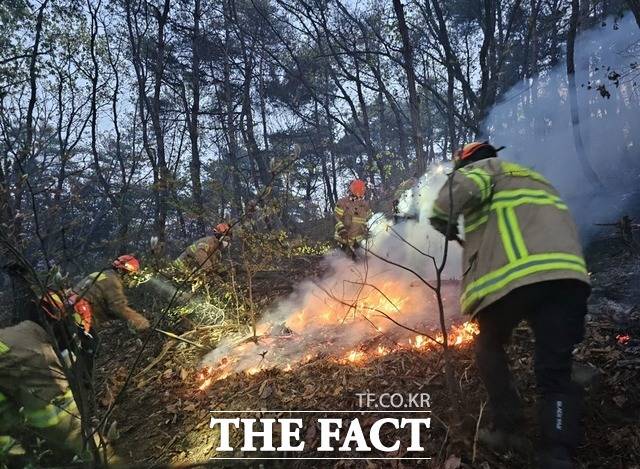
534,121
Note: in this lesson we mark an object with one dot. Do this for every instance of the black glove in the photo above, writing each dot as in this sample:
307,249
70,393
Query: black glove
442,226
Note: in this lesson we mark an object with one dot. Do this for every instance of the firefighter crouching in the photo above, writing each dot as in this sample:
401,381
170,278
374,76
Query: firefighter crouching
105,292
35,395
522,260
205,255
352,213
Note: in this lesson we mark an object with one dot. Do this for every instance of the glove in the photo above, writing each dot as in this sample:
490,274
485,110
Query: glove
442,225
139,323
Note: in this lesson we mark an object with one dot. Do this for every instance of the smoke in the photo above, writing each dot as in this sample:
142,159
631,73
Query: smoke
534,121
346,307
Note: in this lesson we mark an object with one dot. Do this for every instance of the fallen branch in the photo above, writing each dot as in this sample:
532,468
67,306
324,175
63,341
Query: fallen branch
181,339
475,437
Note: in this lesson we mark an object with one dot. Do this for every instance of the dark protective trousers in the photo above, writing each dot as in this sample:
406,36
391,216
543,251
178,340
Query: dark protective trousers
555,310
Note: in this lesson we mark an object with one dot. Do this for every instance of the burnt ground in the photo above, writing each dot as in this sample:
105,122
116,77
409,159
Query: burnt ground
163,416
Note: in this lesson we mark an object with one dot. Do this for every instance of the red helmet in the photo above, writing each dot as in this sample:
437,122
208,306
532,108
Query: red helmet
126,263
358,187
83,311
52,303
222,229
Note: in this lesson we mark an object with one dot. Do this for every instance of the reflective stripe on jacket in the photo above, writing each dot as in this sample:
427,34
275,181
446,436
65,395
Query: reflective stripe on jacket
518,231
351,216
34,391
203,254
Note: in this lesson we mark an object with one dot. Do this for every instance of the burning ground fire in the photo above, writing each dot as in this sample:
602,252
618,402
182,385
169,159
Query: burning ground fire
348,330
459,335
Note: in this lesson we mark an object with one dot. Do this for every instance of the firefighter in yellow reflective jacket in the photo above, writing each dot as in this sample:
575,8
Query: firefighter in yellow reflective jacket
205,255
105,292
352,213
522,261
35,397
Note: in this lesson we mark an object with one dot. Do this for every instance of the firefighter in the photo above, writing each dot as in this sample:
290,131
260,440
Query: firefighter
352,213
35,395
104,290
522,261
205,255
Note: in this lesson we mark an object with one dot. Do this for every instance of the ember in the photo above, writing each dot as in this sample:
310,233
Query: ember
623,339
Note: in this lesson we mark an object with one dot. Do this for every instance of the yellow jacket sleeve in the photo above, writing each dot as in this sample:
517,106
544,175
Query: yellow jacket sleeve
466,189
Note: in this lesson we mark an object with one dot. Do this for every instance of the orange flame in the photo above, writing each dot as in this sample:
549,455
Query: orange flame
349,330
205,384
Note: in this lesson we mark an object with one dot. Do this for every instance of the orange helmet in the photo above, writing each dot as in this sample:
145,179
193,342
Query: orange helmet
126,263
83,311
222,229
52,303
470,148
357,187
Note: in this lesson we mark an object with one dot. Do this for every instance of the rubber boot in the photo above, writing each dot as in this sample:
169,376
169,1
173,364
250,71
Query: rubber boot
560,432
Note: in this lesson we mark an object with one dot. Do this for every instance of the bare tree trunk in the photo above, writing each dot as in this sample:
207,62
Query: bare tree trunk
162,189
263,108
414,99
229,118
11,237
366,128
588,171
195,164
248,132
248,129
487,85
451,120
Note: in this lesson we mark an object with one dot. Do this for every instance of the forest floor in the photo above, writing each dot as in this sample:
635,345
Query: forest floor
163,417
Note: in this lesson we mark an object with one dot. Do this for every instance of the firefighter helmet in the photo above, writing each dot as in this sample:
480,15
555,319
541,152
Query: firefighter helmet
357,187
222,229
476,151
126,263
470,149
52,304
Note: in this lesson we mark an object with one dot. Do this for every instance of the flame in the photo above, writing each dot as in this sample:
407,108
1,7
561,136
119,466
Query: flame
347,324
355,356
459,335
418,342
205,384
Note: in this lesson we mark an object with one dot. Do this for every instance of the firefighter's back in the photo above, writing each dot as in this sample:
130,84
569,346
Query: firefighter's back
523,233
